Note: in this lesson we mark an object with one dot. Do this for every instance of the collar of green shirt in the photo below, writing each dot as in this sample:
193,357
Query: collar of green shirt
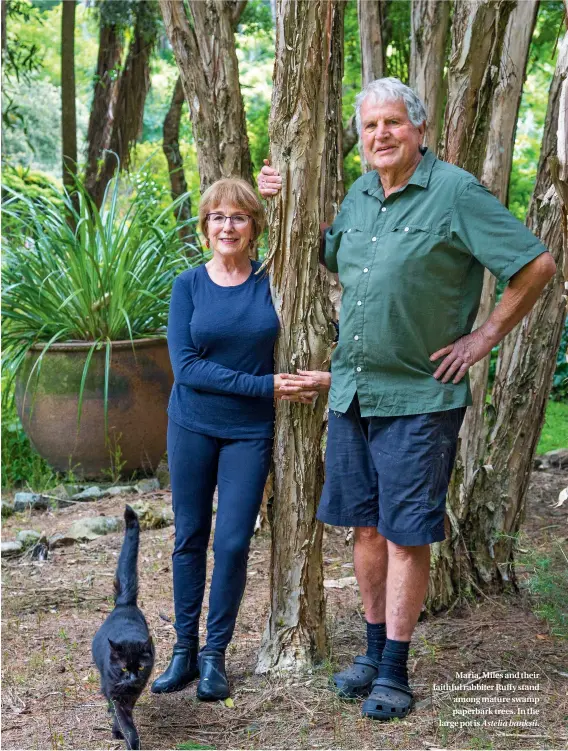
371,184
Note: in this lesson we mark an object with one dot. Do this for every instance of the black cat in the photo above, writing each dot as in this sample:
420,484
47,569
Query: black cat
122,648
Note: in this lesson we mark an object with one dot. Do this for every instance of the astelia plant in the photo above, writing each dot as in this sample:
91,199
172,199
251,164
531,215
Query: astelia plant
83,274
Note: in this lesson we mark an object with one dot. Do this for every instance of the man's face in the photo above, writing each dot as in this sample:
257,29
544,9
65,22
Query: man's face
390,141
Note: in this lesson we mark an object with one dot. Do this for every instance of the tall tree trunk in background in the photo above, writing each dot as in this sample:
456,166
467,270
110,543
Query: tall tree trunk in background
3,37
371,15
295,632
495,175
478,33
332,188
429,23
523,381
478,30
133,88
486,514
506,101
68,105
104,99
207,61
170,145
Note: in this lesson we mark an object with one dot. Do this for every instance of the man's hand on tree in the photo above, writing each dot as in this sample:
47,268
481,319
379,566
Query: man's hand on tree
461,355
269,181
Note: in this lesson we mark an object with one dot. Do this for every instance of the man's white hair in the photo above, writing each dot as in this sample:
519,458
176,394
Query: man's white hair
391,90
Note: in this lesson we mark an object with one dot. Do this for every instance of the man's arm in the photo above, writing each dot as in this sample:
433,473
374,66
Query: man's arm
269,184
518,298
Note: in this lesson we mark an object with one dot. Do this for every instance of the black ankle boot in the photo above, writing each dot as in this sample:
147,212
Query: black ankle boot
213,683
180,672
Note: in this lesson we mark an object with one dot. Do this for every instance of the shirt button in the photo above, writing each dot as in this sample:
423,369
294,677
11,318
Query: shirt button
365,270
358,370
356,338
406,229
374,239
359,302
384,208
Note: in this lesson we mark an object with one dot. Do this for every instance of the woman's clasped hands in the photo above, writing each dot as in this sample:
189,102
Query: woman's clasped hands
302,386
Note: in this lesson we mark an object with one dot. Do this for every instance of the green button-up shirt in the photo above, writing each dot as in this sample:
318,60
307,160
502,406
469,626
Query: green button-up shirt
411,267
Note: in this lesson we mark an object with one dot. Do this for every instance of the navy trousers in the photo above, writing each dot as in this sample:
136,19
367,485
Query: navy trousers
239,469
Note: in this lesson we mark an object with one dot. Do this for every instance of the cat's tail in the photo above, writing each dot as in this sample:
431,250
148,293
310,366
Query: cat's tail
126,577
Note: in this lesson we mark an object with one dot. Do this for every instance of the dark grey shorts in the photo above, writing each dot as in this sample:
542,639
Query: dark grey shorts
390,472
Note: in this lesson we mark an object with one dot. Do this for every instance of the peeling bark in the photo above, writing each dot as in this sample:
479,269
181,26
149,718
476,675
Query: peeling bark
295,632
104,99
371,14
207,61
495,176
485,522
429,23
478,30
332,188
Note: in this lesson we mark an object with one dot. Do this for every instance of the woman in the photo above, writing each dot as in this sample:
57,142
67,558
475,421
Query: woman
221,333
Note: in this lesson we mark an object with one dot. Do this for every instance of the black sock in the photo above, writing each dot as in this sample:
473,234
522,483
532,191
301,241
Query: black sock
393,661
376,638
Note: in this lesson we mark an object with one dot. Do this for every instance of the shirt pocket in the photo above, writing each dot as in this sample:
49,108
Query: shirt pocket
353,249
412,249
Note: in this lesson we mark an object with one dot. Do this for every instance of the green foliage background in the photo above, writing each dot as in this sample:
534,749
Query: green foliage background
32,140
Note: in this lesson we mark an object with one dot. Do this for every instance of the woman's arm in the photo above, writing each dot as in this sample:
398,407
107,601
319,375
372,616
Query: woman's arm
198,373
192,370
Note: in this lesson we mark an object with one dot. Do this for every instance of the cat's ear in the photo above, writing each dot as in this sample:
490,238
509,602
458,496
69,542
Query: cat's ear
114,646
148,645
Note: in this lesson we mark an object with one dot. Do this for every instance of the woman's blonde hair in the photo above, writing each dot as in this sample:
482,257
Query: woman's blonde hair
239,194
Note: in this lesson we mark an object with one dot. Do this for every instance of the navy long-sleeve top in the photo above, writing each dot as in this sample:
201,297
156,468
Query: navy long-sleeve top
221,343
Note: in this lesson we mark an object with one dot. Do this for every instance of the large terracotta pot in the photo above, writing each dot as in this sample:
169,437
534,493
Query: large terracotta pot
138,392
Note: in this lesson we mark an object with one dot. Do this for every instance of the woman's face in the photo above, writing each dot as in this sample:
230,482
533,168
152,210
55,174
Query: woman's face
226,237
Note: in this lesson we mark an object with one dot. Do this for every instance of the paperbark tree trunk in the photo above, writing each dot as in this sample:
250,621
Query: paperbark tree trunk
370,14
485,523
295,632
104,99
332,188
478,30
133,88
207,61
68,106
495,175
429,31
178,183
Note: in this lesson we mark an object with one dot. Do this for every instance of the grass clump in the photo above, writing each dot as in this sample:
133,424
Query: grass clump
547,583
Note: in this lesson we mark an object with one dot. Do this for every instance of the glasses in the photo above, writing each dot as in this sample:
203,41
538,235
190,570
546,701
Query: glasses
238,221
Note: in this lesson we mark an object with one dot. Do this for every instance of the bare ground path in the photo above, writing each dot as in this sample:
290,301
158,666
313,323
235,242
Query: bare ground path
50,611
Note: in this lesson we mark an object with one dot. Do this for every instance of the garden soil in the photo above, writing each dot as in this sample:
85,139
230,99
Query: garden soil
50,688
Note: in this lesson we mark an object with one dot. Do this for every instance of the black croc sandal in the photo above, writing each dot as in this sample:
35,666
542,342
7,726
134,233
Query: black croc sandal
355,681
388,699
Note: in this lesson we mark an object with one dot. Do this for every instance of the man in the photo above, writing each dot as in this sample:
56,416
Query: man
410,244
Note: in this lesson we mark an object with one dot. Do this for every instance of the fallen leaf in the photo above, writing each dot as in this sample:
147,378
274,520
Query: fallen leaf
561,498
542,636
229,703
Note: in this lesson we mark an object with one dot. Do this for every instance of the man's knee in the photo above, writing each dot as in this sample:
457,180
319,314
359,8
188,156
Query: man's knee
368,536
409,552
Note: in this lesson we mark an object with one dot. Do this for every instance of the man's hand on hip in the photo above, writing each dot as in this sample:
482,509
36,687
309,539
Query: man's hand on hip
461,355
